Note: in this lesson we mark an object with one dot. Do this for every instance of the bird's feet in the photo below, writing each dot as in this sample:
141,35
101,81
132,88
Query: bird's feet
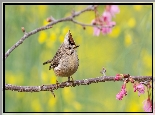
71,80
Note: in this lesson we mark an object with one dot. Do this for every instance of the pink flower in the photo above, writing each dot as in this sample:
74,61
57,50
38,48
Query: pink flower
147,105
106,16
106,30
113,9
123,90
96,31
140,88
122,93
119,96
118,77
105,22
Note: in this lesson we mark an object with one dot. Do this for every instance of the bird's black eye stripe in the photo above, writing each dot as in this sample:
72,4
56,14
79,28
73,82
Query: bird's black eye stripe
71,42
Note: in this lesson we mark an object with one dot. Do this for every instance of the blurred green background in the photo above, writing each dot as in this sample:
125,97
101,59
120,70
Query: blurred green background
128,49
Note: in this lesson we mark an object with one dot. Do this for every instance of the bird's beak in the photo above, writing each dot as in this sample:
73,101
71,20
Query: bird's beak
76,46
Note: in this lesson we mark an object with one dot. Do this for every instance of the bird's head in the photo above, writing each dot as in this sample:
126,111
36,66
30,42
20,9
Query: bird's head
69,40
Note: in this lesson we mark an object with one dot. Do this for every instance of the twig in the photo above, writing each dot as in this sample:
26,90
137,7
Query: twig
100,27
56,86
70,18
26,35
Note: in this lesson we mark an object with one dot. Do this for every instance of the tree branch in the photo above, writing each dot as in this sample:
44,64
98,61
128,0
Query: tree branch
100,27
74,83
26,35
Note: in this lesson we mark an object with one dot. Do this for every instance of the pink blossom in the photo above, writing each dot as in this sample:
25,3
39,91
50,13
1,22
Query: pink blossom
118,77
119,96
122,93
105,22
106,30
112,23
147,105
96,31
106,17
123,90
113,9
140,88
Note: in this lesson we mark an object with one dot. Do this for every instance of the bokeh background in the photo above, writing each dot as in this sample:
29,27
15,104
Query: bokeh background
127,49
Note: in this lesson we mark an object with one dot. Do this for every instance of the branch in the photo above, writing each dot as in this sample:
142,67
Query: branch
26,35
74,83
98,26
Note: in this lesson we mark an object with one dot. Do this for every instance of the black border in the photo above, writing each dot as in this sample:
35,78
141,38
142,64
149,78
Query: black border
65,3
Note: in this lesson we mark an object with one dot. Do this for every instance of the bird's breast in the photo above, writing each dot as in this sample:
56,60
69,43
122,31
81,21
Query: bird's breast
68,65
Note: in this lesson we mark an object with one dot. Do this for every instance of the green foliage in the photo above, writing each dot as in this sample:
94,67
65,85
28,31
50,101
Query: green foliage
128,49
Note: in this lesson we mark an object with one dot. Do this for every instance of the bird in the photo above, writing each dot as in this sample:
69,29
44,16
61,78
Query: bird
65,62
